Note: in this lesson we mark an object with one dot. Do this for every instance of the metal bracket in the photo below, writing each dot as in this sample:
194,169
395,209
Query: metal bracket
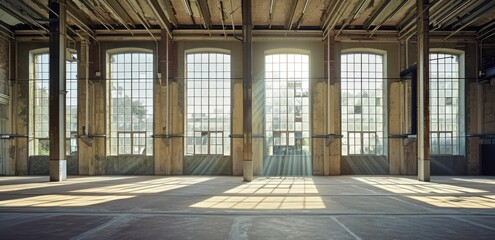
328,137
236,135
12,136
167,136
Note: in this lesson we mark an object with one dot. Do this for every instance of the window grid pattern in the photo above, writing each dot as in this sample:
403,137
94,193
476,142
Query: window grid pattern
208,90
41,76
362,104
287,126
131,103
444,104
71,107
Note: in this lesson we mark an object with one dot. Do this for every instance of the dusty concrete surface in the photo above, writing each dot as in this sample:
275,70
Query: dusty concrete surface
209,207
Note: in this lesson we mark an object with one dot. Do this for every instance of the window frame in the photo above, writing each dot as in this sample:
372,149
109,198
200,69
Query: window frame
460,148
225,147
34,139
301,138
113,140
345,143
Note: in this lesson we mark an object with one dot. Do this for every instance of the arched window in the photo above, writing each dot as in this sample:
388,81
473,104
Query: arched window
39,92
445,104
362,104
130,76
208,102
287,122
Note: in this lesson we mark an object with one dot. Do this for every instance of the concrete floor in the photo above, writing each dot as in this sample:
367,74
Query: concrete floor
209,207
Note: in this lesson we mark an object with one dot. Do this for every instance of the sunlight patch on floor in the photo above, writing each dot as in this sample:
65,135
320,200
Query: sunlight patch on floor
261,203
150,186
56,200
410,186
270,193
70,181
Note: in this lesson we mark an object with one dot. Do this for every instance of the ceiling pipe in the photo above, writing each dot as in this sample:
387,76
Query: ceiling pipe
232,20
115,14
458,9
142,18
288,24
148,30
387,17
375,14
462,27
486,29
98,15
22,17
410,23
338,15
270,14
169,11
156,10
331,12
220,8
355,13
121,8
204,12
301,19
188,7
486,6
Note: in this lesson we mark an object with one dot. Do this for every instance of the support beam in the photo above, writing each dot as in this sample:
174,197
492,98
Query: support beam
247,96
58,163
423,89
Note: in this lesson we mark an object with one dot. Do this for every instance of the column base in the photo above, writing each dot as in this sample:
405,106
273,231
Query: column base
58,170
424,170
247,171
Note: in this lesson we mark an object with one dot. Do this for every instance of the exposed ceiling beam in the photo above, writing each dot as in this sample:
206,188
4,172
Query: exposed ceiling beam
117,5
469,19
187,5
270,13
140,13
204,11
388,15
114,13
336,16
97,14
23,13
5,29
301,18
169,11
290,17
222,17
487,28
160,16
355,14
77,15
476,14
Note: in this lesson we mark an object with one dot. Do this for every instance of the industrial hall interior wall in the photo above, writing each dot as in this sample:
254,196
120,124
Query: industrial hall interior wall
92,155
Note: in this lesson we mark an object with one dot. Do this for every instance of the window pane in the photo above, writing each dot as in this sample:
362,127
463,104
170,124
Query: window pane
444,97
131,103
39,75
208,103
287,104
362,104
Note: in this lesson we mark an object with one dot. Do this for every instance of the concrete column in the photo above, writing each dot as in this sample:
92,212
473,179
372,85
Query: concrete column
332,166
247,92
57,93
162,149
85,149
423,91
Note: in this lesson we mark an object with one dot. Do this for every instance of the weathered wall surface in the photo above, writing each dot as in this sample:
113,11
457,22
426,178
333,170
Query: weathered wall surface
6,157
168,157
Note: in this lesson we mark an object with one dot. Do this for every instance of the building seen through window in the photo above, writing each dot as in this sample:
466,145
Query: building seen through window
208,104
